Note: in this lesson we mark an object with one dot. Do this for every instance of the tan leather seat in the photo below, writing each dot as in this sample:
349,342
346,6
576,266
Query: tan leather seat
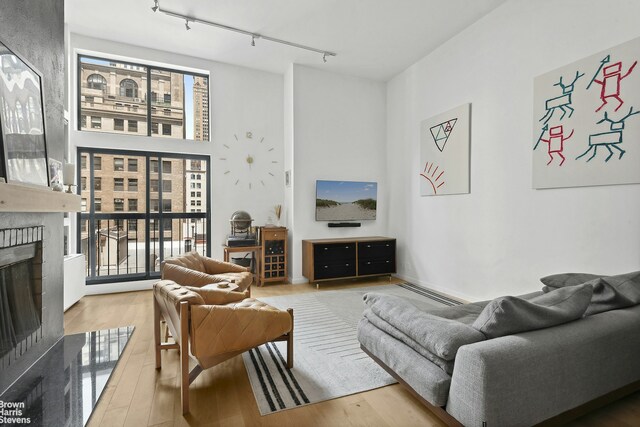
193,269
213,325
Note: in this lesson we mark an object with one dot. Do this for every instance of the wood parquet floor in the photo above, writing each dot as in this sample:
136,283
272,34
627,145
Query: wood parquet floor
139,395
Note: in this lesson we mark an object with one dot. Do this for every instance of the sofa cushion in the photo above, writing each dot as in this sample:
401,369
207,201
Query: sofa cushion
428,380
510,315
463,313
445,365
567,279
440,336
628,284
605,297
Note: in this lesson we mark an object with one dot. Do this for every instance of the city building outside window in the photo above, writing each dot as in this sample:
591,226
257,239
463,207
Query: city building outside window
178,101
83,162
97,183
128,235
83,182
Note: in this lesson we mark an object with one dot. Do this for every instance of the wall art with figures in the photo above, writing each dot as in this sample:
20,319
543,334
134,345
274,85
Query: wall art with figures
586,121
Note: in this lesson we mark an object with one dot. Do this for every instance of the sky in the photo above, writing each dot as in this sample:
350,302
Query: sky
346,191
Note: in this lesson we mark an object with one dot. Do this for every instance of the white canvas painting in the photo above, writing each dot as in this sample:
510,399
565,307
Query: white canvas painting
586,123
444,153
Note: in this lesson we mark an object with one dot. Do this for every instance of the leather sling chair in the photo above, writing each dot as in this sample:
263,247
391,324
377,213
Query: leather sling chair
193,269
214,325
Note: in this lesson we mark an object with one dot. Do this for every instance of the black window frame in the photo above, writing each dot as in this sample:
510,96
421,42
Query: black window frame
148,215
149,102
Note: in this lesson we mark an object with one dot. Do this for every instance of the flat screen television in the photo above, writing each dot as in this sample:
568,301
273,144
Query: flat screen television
346,200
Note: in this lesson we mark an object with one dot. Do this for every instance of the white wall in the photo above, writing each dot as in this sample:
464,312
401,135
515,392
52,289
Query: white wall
338,134
241,100
504,235
287,212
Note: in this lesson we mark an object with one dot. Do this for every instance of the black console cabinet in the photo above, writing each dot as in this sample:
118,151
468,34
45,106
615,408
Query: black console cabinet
327,259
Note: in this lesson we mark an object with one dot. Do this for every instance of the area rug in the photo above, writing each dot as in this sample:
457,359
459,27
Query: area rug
328,361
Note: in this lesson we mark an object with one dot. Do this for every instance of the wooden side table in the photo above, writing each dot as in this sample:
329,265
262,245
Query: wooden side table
256,252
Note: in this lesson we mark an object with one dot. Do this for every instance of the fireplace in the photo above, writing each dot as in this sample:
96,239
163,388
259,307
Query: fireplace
20,293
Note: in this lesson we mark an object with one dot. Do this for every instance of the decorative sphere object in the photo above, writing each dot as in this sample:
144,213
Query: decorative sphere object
240,221
56,186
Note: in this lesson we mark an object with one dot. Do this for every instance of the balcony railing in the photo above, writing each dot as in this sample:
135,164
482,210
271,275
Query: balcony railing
117,246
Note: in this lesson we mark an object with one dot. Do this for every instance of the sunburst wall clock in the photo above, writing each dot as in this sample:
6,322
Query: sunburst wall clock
249,161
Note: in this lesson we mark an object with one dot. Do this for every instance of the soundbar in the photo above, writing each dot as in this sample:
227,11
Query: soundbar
344,224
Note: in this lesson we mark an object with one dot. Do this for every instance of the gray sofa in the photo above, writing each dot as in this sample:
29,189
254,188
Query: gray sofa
518,379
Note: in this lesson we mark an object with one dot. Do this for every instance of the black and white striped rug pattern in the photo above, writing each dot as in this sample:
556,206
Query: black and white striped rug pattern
328,361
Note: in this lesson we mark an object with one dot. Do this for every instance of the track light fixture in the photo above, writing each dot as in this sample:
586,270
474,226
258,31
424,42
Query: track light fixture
254,36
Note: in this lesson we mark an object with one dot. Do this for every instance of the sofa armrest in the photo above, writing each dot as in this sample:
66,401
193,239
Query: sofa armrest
526,378
214,266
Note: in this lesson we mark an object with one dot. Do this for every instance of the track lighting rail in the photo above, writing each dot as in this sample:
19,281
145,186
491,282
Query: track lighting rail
254,36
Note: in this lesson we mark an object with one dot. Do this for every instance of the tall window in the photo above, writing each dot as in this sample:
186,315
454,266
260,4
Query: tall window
125,236
142,100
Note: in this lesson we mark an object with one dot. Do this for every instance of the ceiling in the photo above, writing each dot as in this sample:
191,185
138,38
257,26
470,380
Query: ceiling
374,39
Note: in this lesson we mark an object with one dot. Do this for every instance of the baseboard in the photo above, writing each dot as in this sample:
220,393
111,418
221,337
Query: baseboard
446,292
298,280
114,288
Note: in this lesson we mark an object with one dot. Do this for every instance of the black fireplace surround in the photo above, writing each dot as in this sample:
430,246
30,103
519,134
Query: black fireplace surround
20,292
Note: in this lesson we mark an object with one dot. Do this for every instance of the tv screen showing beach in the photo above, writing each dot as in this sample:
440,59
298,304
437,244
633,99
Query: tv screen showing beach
346,200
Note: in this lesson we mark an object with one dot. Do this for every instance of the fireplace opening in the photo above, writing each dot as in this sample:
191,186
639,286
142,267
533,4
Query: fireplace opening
20,299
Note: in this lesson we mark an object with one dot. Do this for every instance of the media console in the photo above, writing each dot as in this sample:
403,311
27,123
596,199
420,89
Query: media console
330,259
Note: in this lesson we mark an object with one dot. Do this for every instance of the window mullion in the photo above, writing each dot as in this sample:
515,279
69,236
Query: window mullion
148,101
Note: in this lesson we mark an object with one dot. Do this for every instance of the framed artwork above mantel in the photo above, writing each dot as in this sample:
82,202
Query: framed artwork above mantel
23,145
